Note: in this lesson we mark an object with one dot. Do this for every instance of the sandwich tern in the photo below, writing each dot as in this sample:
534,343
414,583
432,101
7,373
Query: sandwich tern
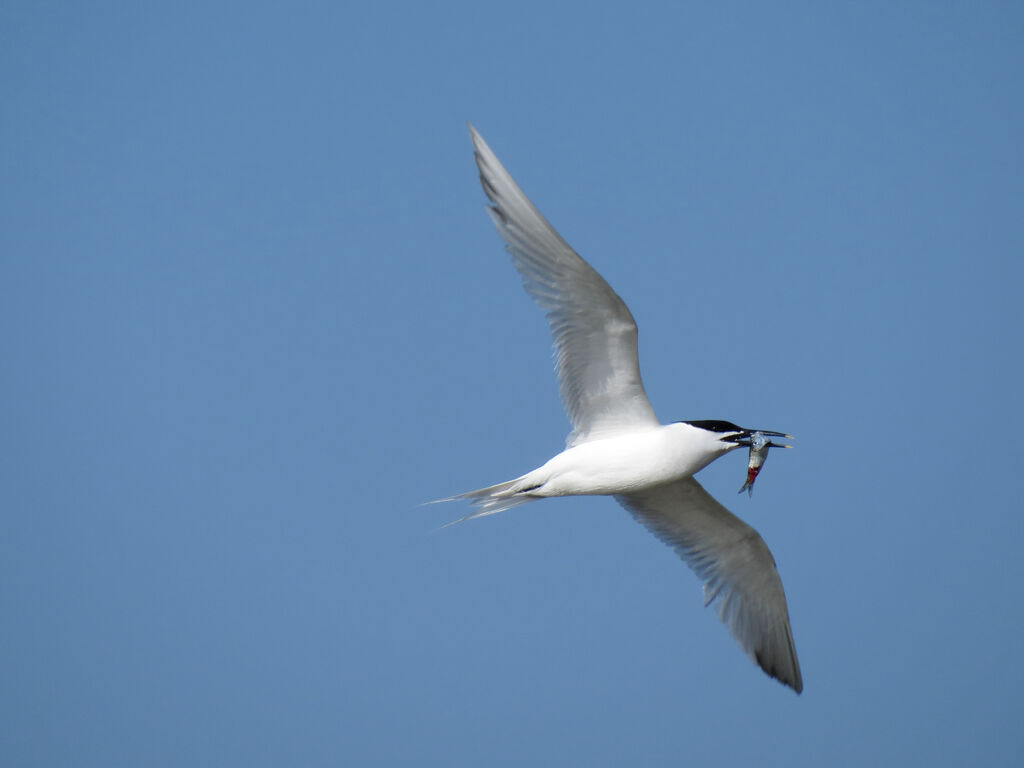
617,447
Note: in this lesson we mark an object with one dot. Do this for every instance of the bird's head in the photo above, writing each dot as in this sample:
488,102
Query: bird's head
731,436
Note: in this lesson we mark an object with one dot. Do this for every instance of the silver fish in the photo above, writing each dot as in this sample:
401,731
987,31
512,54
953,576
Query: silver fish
759,445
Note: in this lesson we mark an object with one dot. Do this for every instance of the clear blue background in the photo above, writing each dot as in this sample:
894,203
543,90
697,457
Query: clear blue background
253,314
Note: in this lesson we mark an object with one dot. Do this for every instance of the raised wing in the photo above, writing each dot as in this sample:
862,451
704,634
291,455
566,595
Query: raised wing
593,330
735,565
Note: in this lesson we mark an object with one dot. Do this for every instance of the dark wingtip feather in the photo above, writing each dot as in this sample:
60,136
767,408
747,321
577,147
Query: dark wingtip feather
795,682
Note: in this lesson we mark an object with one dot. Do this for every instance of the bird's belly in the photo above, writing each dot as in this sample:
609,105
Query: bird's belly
619,465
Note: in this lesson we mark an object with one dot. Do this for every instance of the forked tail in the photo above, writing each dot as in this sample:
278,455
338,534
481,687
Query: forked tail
491,500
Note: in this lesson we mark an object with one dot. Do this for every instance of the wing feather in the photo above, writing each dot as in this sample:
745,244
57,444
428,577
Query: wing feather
594,333
734,563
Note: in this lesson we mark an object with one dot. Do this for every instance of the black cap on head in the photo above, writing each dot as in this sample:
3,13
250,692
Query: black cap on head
733,434
713,425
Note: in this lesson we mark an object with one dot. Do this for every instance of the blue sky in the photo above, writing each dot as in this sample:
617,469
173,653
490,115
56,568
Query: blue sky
254,315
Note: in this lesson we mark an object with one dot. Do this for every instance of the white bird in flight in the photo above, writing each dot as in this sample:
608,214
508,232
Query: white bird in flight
618,447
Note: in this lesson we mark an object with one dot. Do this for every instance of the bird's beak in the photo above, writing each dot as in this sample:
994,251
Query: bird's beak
743,438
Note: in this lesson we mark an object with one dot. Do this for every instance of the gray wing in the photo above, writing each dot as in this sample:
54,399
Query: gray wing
594,332
735,565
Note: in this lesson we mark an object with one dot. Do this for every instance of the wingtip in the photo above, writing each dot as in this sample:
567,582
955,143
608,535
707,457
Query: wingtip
797,684
795,681
789,678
